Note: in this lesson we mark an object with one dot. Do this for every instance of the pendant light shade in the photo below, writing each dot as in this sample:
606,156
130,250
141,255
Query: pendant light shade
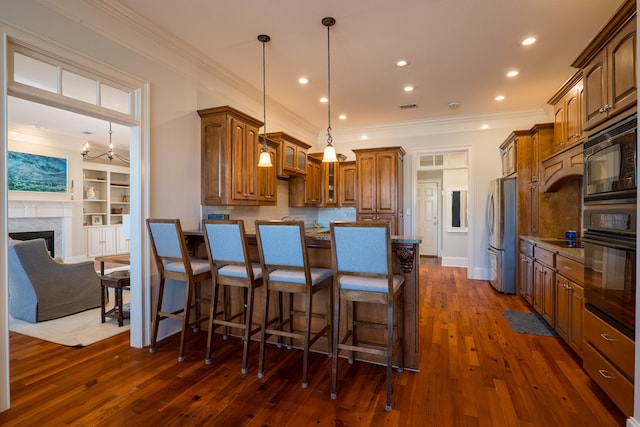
265,157
329,155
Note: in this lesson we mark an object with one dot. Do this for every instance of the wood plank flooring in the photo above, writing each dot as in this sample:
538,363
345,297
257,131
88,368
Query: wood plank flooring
474,371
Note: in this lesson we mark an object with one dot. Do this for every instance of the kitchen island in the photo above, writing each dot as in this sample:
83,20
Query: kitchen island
406,261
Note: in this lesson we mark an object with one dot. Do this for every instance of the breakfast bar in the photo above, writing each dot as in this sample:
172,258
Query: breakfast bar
406,261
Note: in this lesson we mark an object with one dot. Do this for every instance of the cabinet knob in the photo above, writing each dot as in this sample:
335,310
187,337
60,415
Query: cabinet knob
605,109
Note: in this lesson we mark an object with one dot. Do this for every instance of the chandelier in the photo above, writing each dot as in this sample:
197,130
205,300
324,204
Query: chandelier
110,154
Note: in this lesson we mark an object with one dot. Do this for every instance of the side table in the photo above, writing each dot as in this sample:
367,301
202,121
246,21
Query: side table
118,280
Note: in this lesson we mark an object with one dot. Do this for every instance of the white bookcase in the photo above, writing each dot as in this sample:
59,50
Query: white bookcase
105,198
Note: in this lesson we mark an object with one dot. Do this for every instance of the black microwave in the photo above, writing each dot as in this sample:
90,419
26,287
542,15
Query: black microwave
610,164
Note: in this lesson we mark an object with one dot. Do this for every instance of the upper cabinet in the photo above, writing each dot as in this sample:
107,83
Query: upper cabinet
509,153
293,154
567,112
347,184
267,177
609,70
229,151
380,179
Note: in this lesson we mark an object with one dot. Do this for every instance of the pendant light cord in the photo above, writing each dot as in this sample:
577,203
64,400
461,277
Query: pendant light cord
264,92
329,138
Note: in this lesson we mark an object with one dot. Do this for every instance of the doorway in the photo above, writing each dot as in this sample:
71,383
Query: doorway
428,214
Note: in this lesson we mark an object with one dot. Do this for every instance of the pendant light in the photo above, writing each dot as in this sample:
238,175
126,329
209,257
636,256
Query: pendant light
265,157
329,155
110,153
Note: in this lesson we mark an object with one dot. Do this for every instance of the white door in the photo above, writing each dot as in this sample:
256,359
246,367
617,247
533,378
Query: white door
428,219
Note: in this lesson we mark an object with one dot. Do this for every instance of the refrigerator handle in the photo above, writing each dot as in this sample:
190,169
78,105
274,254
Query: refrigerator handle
490,214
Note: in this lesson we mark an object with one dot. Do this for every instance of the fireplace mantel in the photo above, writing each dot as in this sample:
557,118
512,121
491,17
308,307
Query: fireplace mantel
41,208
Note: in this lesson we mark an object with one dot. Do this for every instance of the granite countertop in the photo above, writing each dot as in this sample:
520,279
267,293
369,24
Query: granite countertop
551,244
320,234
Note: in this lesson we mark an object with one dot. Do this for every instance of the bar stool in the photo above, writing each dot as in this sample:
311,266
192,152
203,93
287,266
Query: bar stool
231,267
285,269
173,262
362,268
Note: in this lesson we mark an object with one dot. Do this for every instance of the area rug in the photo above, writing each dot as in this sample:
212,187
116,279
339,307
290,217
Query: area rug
78,330
528,323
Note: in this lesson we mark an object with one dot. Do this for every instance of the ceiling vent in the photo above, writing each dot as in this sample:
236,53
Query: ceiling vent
408,106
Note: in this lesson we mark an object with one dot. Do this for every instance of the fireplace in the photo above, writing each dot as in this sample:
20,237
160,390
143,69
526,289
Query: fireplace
48,237
45,215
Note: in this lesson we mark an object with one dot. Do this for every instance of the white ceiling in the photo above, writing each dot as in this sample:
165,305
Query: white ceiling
459,50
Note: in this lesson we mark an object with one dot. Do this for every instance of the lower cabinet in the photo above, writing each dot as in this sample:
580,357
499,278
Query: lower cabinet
569,309
544,291
105,240
526,278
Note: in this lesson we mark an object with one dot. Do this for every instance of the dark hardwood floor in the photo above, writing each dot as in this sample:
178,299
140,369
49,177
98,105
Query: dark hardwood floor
474,371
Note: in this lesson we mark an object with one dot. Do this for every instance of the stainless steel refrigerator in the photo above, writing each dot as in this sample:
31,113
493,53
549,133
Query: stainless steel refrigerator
501,216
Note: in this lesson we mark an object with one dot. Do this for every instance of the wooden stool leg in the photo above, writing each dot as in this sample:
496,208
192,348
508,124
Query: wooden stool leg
103,289
336,348
186,313
305,344
156,320
329,319
389,353
119,304
263,338
248,317
212,317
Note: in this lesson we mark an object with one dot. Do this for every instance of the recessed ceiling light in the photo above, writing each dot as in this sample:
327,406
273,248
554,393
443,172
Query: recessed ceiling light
342,116
484,127
324,99
303,80
500,98
402,63
528,41
454,104
364,137
512,73
408,88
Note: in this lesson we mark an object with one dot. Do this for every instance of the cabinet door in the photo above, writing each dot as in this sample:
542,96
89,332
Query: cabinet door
534,202
312,184
366,171
244,164
526,277
622,69
330,178
385,177
301,155
268,180
595,90
559,125
549,295
563,307
574,116
101,241
538,278
289,158
577,310
348,184
122,244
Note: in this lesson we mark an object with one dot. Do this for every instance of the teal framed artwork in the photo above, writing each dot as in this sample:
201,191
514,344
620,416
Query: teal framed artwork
33,172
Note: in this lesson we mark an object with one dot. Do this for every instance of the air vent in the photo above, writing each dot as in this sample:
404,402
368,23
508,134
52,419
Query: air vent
408,106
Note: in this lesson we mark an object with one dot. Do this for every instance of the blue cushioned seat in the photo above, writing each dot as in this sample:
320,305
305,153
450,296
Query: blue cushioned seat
174,264
286,270
362,266
226,244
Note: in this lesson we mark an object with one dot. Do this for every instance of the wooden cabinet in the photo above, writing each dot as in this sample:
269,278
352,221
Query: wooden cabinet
105,194
508,155
544,284
562,165
569,309
609,358
567,112
380,186
229,156
313,182
525,271
609,69
347,184
267,177
293,154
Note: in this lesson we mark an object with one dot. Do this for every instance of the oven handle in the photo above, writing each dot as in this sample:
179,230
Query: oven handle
610,243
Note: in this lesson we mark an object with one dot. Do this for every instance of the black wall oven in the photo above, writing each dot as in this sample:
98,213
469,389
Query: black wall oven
610,264
610,165
610,194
